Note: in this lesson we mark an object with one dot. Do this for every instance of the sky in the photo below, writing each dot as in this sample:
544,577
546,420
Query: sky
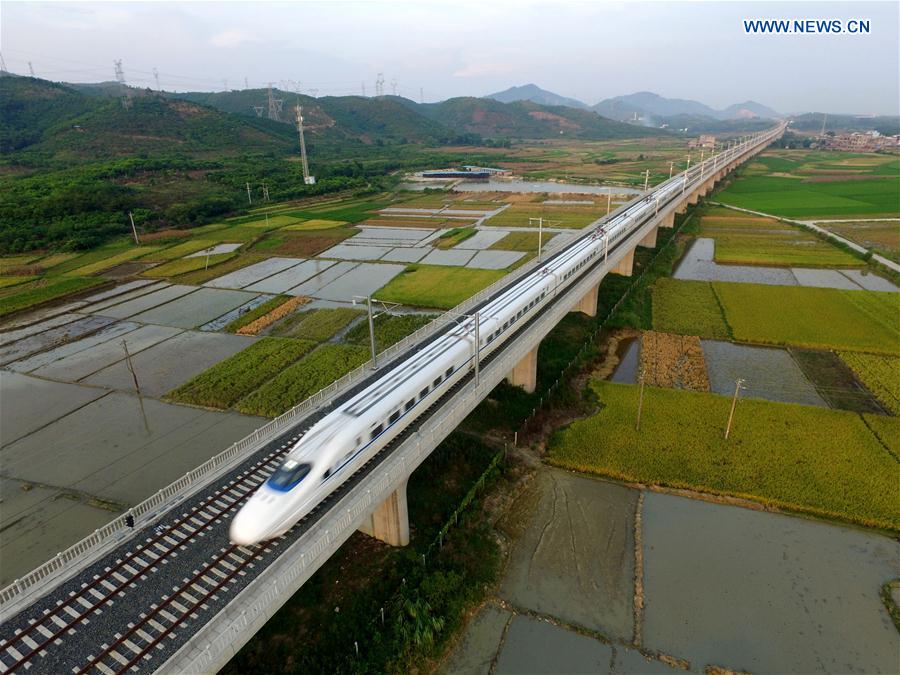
433,50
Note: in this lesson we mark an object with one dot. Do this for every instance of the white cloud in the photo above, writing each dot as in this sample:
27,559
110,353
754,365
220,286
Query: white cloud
232,38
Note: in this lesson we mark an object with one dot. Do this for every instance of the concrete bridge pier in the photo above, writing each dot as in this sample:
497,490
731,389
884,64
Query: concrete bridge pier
649,240
588,304
625,265
668,221
389,522
524,373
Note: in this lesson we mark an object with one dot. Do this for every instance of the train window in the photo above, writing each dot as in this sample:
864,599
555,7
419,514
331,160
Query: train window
409,404
437,381
423,393
377,430
358,441
394,417
505,325
288,475
449,372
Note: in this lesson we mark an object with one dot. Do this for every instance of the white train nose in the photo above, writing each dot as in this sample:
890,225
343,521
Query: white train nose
244,531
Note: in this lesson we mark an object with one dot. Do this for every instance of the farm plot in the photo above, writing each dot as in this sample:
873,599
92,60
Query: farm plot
494,260
72,363
23,296
227,382
254,273
882,237
819,318
185,265
168,364
362,280
142,302
881,374
52,337
688,308
282,282
316,325
439,287
388,329
303,379
751,240
766,372
821,461
669,360
575,217
195,309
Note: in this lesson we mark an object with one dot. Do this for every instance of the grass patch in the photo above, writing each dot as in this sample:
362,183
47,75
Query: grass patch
881,374
434,286
522,241
388,329
185,265
453,237
802,458
180,250
37,292
566,216
6,282
318,325
819,318
227,382
314,224
688,308
108,261
301,380
271,222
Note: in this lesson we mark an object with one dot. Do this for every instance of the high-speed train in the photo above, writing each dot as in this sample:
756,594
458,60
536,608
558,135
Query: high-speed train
340,443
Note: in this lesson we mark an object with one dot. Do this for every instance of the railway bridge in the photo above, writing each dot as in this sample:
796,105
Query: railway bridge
161,588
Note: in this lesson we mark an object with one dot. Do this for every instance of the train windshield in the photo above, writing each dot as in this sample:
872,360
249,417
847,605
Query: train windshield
288,475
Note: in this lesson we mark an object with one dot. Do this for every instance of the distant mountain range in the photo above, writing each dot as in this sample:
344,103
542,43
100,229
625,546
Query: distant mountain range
534,94
643,107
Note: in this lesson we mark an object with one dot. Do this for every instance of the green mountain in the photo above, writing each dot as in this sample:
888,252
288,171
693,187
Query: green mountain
527,120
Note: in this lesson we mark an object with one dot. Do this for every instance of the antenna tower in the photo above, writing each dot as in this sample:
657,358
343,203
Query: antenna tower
307,179
120,78
275,105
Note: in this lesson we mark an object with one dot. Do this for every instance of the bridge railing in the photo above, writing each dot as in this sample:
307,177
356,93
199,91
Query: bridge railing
124,525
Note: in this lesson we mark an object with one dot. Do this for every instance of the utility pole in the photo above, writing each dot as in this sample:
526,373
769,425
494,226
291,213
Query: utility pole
637,424
394,86
156,77
133,229
738,385
274,105
137,386
646,179
671,168
540,222
266,196
478,348
307,179
31,69
379,85
371,332
701,164
608,200
249,198
246,84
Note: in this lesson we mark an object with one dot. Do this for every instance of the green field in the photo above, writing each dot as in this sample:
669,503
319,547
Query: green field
819,318
687,308
314,224
743,239
304,378
227,382
559,216
388,329
6,282
522,241
803,458
455,236
16,298
200,276
317,325
433,286
801,316
108,262
880,374
180,250
804,185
